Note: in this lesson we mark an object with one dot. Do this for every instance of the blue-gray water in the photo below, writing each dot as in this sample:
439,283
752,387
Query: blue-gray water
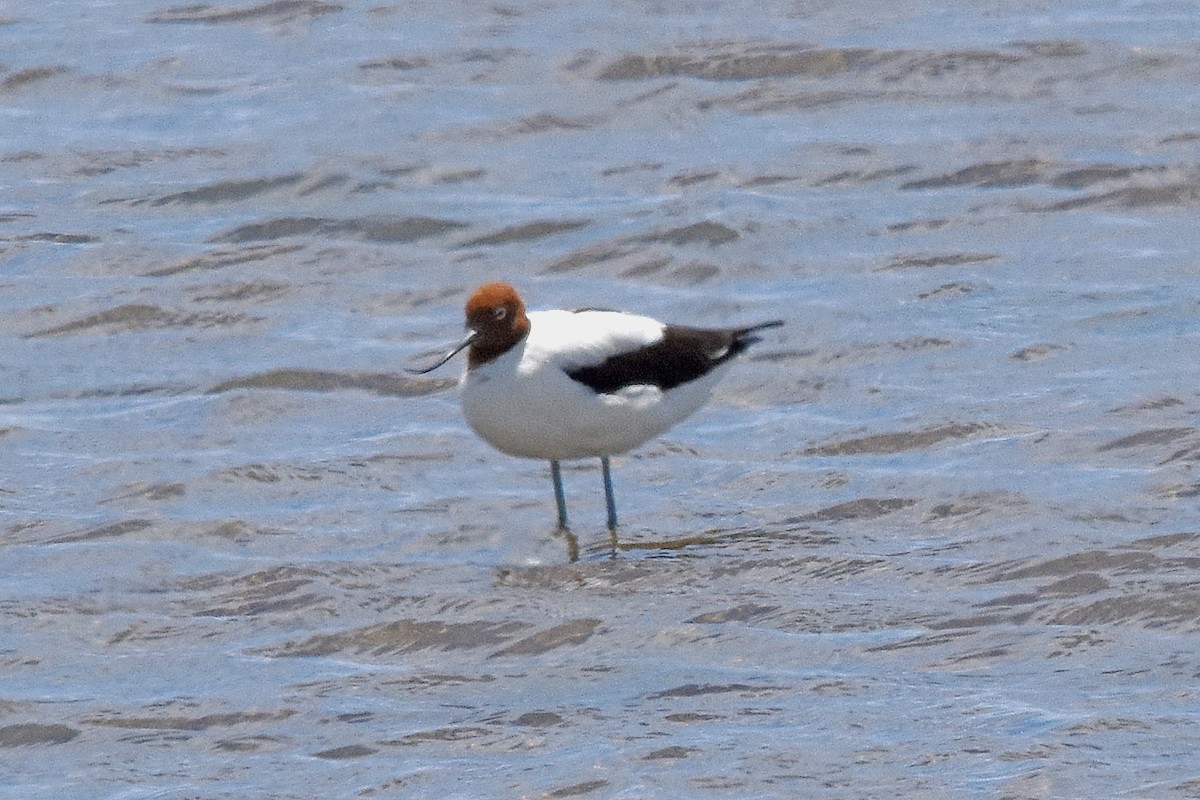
935,538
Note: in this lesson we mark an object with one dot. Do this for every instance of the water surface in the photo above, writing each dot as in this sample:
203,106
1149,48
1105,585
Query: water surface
934,538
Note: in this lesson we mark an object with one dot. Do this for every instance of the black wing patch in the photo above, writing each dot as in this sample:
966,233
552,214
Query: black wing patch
682,355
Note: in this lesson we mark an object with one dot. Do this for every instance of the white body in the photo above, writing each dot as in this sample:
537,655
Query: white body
523,403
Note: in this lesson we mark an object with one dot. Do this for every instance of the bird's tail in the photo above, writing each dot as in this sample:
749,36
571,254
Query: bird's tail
744,337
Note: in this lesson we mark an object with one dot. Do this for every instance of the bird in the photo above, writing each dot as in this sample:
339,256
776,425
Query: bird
589,383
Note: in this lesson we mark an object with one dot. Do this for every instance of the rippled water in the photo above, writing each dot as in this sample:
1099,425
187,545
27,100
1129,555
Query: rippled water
936,538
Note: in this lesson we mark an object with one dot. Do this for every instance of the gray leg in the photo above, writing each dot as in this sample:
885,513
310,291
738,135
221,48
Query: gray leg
608,493
572,546
556,476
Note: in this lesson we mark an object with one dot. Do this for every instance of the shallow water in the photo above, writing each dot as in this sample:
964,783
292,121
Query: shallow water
935,538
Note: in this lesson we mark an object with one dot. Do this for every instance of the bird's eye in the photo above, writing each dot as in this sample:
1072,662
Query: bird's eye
499,313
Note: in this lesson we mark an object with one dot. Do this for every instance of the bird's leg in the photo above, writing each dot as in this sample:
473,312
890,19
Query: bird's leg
556,476
609,502
572,546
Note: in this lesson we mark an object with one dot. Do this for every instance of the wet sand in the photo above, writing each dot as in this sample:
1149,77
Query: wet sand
935,538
